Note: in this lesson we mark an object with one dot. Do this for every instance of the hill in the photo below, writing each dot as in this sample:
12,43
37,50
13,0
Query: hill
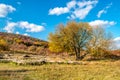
16,42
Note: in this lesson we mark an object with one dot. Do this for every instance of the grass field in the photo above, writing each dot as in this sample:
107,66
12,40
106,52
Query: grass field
95,70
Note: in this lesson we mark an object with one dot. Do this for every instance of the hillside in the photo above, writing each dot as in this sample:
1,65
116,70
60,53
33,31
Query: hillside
16,42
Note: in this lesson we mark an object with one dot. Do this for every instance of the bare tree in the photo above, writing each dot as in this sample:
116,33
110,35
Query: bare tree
100,42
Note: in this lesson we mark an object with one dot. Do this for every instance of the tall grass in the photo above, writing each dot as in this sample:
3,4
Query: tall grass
92,71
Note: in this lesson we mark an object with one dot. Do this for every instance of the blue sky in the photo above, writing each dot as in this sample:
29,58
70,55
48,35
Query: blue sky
37,18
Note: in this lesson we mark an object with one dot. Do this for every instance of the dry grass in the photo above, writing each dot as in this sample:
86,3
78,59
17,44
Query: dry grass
91,71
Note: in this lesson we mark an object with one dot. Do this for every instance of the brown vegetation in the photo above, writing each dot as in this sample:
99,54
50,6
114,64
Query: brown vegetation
15,42
74,39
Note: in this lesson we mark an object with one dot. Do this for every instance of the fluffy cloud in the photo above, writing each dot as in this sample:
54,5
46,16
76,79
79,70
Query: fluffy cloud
5,9
83,9
10,26
81,13
17,32
101,23
71,4
117,39
58,11
76,9
29,27
117,43
103,11
26,34
62,10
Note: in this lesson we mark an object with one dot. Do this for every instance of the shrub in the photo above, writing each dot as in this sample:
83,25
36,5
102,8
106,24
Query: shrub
4,45
44,44
99,52
39,49
18,47
32,48
18,40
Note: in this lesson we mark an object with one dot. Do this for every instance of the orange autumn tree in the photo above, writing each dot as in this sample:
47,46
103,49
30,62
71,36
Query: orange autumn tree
70,38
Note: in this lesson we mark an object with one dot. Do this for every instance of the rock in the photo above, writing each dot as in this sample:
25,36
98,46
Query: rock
26,56
7,56
1,56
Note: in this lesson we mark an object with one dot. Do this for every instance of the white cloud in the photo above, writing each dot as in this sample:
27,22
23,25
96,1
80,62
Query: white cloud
10,27
101,23
29,27
5,9
62,10
58,11
103,11
117,43
71,4
17,32
76,9
83,9
81,13
117,39
26,34
100,13
85,3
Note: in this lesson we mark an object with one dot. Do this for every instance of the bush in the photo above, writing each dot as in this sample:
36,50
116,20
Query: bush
42,44
4,45
17,40
100,53
18,47
32,48
39,49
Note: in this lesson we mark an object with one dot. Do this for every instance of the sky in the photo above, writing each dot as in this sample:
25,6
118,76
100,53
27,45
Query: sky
37,18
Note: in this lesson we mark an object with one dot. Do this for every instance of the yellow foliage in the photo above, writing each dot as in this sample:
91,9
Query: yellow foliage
70,38
32,48
55,48
3,45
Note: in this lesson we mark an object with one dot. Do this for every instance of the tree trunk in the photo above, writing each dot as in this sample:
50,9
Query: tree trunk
78,54
77,57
